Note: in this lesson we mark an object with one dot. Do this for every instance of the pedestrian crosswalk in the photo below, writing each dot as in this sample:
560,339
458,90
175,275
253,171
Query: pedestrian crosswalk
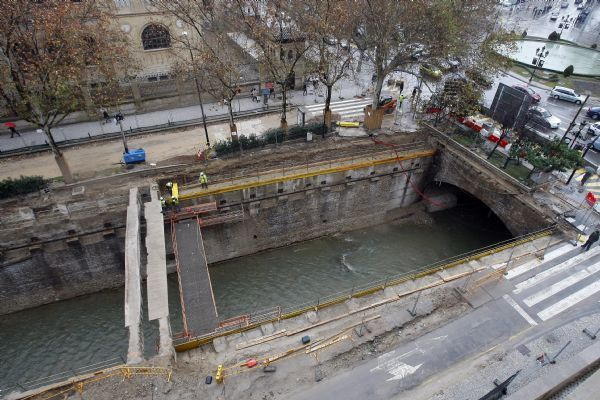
348,110
591,185
566,279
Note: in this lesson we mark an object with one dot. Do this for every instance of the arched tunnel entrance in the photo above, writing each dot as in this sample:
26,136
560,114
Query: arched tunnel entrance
448,201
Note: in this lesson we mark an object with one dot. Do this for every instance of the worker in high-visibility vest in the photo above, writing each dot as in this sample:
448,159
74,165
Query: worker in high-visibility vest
169,186
163,204
203,179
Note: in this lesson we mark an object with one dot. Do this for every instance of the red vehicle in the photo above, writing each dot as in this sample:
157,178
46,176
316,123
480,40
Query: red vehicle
535,97
388,103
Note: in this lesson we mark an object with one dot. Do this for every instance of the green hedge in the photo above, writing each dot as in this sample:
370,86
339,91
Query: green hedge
25,184
271,136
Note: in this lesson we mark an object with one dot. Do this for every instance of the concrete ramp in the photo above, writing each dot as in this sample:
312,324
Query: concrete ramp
158,296
197,300
133,288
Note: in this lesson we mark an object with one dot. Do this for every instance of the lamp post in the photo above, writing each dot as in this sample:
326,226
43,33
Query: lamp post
565,24
538,60
187,39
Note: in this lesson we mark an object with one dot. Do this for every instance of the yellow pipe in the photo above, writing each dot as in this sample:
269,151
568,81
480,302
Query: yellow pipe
233,188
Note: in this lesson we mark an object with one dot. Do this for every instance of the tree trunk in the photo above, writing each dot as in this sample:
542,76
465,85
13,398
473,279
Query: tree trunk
284,124
377,90
360,60
232,126
63,166
327,111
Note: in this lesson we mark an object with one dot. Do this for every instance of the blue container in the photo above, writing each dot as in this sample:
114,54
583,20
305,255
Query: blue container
134,156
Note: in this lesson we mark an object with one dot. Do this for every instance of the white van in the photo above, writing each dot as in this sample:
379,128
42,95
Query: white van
563,93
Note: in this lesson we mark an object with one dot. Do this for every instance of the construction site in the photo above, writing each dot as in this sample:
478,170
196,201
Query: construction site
453,307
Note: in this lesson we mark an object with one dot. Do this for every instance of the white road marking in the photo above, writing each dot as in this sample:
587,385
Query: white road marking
559,286
542,276
521,269
519,309
401,371
569,301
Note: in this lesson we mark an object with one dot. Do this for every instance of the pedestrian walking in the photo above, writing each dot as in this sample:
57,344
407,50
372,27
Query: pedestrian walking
593,238
269,85
105,115
13,129
589,171
401,86
203,179
119,117
400,101
304,89
414,92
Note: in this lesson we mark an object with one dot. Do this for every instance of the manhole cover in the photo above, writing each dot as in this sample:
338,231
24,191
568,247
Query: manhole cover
524,350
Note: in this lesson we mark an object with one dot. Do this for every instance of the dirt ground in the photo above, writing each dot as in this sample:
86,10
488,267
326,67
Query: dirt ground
292,374
103,158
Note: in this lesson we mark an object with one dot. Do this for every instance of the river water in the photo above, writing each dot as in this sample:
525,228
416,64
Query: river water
90,329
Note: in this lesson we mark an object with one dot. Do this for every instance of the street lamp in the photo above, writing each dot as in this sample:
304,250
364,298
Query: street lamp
187,39
565,24
582,124
538,60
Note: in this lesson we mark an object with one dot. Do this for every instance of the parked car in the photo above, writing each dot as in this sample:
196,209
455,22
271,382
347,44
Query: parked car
431,71
479,78
580,6
564,4
535,97
578,1
593,112
563,93
594,129
543,117
554,15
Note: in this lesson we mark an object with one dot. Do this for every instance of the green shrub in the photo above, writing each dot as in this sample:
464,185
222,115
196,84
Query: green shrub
568,71
554,36
23,185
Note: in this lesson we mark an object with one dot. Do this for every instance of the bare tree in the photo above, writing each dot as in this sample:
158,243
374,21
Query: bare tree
330,56
50,51
401,34
275,37
214,57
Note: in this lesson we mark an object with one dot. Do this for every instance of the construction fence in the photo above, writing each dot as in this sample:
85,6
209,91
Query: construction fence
253,320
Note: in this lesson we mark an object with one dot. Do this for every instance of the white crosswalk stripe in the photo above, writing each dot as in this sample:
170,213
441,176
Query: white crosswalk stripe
345,108
571,282
521,269
569,301
542,276
560,286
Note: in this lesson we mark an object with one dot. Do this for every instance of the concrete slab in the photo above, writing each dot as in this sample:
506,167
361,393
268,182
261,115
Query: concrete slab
158,298
133,288
588,390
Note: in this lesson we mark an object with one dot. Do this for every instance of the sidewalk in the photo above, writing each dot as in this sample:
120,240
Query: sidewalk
346,88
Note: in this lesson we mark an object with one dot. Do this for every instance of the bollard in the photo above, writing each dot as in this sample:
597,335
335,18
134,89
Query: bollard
219,376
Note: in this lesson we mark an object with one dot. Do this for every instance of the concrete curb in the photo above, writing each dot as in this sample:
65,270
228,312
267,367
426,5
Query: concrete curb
560,376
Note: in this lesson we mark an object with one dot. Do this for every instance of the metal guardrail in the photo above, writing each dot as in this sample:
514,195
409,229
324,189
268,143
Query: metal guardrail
142,130
62,376
251,321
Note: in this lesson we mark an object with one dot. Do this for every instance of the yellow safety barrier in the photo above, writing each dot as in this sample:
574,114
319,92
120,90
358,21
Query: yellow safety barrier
194,343
365,164
78,384
348,124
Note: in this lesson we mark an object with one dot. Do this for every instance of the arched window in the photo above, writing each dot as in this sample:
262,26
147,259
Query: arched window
156,37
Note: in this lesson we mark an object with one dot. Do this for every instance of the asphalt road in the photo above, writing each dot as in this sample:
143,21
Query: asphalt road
531,299
409,365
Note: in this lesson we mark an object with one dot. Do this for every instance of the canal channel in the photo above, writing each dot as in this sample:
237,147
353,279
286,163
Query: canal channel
89,329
